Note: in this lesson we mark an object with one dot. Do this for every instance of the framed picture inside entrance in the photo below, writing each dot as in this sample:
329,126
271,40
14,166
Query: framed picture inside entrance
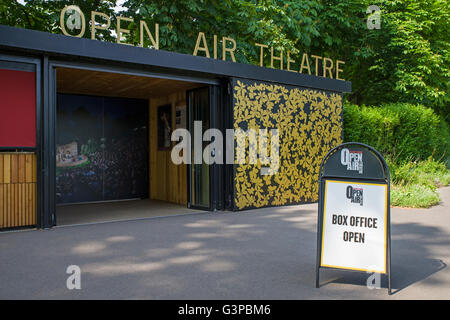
180,115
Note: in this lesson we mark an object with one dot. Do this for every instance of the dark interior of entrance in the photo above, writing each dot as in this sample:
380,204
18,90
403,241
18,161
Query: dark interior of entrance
113,143
101,149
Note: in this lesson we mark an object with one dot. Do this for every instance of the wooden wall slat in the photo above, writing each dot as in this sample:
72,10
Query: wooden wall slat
14,168
167,180
9,205
32,213
28,204
15,205
22,209
1,167
7,168
21,168
29,168
17,190
33,207
2,203
34,163
15,212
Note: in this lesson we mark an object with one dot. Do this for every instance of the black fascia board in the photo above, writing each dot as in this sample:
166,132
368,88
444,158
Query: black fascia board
32,41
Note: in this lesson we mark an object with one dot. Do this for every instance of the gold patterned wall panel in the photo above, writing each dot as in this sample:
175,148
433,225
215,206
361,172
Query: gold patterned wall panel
309,123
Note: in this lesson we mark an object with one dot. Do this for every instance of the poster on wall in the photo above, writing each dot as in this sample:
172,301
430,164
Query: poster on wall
102,149
164,127
180,116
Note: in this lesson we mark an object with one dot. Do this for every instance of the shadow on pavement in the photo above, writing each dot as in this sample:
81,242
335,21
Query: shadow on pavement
411,260
258,254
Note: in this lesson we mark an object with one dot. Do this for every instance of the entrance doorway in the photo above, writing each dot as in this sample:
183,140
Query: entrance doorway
101,149
113,145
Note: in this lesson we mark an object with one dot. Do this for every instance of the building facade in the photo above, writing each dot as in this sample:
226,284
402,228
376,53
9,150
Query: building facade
83,120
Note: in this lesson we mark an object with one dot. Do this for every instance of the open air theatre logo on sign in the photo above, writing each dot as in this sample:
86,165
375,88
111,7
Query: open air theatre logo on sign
355,195
352,159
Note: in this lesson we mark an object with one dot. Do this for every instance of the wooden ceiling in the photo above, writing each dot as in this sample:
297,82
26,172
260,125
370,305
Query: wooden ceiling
78,81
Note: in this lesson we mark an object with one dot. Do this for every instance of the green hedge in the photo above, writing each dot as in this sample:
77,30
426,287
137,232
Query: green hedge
400,131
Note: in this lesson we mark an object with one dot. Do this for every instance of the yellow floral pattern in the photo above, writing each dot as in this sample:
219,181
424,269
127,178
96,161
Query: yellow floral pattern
309,124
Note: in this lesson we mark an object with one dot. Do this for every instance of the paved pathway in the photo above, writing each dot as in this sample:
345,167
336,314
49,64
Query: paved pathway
258,254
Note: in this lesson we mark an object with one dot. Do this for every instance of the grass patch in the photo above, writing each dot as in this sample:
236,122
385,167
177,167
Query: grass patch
414,196
414,184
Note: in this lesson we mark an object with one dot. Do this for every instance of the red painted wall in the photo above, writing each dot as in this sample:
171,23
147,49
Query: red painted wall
17,108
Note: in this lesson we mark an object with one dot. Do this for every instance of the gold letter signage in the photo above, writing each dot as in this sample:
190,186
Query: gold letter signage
278,57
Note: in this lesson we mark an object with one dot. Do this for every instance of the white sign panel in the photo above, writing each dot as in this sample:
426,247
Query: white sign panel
354,226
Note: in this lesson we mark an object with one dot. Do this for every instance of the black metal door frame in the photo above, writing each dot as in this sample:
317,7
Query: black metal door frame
189,103
48,146
47,126
220,181
227,122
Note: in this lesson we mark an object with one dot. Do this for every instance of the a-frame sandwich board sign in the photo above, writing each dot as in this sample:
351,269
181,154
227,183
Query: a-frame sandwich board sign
353,227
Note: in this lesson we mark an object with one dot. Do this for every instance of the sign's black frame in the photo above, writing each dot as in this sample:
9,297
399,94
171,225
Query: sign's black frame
323,177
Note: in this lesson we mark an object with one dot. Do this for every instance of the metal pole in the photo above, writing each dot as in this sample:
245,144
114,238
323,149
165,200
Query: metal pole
389,236
319,234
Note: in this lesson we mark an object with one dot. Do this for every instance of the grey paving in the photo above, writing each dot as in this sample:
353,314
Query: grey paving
258,254
117,211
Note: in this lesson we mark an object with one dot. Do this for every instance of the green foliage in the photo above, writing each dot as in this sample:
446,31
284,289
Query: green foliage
428,173
414,184
44,15
407,60
15,14
280,24
400,131
419,49
414,141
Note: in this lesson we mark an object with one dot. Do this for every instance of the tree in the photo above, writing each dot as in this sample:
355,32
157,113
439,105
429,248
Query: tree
44,15
281,24
407,60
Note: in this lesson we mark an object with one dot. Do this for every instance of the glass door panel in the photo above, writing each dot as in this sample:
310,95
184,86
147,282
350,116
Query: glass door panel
199,173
